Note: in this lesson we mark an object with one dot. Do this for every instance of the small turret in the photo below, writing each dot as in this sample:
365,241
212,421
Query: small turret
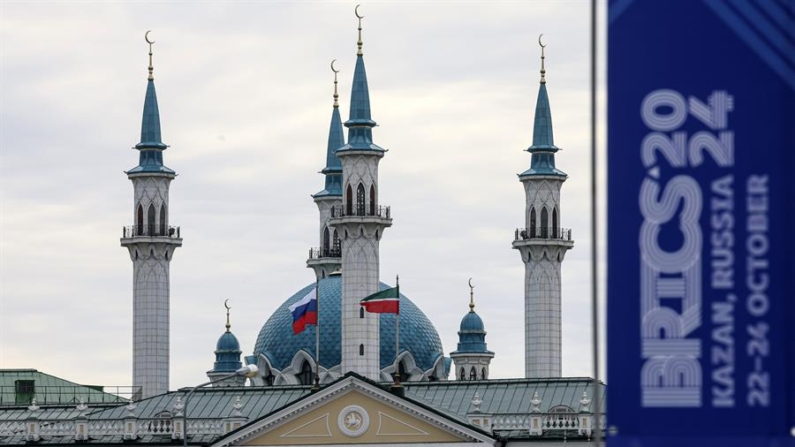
227,357
472,358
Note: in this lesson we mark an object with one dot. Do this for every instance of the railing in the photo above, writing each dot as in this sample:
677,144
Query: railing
522,234
67,395
554,424
113,427
150,230
320,253
381,211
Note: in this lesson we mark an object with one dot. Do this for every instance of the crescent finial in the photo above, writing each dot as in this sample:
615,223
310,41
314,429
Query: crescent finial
336,96
226,304
539,41
470,284
146,37
543,70
228,308
150,42
359,42
356,11
332,66
471,296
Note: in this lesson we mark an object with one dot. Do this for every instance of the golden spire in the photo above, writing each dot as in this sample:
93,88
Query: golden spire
543,72
471,296
150,42
228,325
336,96
359,43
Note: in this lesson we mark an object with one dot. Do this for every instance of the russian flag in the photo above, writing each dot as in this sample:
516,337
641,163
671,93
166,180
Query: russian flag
304,312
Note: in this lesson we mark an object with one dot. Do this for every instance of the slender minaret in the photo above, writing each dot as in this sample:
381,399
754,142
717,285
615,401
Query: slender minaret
360,223
327,258
151,243
542,244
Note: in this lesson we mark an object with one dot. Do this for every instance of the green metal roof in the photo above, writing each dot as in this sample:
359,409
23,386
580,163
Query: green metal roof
50,390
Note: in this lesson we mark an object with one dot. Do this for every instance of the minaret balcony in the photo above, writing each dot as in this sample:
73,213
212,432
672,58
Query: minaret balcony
542,236
362,211
322,253
151,232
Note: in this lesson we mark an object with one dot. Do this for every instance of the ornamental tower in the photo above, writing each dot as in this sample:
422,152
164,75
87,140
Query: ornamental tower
227,357
151,242
472,358
542,244
360,223
326,258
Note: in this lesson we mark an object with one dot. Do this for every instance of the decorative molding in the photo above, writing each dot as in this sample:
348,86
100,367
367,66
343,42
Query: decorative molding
325,417
415,431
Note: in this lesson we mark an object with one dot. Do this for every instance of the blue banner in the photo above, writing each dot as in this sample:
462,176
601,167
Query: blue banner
700,223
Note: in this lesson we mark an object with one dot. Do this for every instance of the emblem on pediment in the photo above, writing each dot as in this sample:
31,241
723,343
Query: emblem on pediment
353,421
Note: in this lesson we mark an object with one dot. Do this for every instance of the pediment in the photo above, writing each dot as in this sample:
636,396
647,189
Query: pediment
354,411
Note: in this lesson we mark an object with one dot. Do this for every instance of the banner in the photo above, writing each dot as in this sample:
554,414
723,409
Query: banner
700,227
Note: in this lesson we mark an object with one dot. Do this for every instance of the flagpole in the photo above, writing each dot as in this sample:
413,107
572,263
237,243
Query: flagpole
317,335
397,332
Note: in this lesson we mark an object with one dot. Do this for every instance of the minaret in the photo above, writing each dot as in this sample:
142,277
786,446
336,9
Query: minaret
360,223
472,358
151,242
542,244
326,258
227,357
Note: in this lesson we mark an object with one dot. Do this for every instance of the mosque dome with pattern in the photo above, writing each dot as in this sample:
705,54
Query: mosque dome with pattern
279,345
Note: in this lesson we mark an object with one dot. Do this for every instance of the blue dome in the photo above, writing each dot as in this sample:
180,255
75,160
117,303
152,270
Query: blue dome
277,342
227,353
472,322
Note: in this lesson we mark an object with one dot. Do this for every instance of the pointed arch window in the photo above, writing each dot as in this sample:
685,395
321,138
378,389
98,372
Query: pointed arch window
349,201
402,374
483,373
473,374
554,223
335,247
163,228
139,221
544,223
372,200
533,222
361,349
325,251
305,377
360,200
361,312
463,375
150,220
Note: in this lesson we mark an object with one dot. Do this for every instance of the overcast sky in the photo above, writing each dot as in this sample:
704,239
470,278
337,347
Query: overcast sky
245,94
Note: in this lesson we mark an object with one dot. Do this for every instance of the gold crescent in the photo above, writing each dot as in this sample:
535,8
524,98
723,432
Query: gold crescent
332,66
470,284
539,41
227,305
146,38
356,11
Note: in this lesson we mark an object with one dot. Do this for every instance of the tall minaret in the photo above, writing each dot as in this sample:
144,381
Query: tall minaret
542,244
360,223
326,258
151,243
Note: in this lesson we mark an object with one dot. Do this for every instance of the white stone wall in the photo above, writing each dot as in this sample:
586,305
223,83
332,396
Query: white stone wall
539,194
542,317
151,319
360,169
324,205
467,361
150,190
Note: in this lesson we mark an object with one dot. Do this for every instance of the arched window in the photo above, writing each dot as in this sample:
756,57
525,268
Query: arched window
402,373
483,373
360,201
361,312
150,220
533,222
372,200
361,349
473,375
306,376
325,251
163,228
139,221
336,244
349,201
544,223
554,223
463,375
269,379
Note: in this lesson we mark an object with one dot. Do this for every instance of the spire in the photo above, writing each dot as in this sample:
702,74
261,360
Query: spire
336,139
543,148
151,145
360,124
471,296
226,305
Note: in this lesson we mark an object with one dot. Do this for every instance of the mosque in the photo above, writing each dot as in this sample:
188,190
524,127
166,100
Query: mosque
355,377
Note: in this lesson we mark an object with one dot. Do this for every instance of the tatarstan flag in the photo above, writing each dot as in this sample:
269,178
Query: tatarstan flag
383,302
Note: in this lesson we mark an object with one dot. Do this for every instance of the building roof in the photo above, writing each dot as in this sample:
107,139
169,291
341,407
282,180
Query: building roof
51,390
278,343
151,146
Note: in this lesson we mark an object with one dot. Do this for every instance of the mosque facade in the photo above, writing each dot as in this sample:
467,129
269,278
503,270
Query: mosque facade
344,380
